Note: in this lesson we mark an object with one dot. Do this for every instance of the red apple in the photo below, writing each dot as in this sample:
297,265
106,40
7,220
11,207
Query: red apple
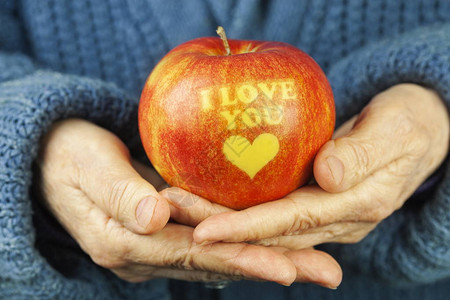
237,128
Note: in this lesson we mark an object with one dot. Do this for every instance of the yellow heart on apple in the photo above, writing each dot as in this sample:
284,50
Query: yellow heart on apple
251,158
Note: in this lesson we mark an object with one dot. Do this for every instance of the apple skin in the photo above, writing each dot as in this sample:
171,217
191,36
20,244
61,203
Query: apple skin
238,130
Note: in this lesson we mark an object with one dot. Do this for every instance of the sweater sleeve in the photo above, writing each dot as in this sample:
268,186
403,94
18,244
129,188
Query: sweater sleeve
412,246
29,105
31,100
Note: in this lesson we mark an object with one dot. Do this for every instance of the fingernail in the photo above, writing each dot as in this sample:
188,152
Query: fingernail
331,286
336,168
144,211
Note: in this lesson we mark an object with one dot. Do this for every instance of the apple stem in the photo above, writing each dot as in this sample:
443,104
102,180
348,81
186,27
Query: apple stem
221,32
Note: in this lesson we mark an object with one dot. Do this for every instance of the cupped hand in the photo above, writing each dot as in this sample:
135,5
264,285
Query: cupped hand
377,161
99,194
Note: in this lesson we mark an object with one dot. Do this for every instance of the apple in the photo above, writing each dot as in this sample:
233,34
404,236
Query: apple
236,122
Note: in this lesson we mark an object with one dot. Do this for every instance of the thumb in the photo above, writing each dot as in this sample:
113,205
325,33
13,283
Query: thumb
380,135
107,177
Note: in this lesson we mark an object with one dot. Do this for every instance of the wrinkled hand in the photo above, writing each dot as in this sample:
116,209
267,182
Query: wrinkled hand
100,196
380,158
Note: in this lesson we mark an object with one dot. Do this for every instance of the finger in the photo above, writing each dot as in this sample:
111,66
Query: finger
227,258
106,176
383,133
192,275
305,208
346,232
172,247
190,209
140,273
316,267
312,266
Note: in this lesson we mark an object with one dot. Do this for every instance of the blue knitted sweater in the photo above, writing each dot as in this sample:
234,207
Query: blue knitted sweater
89,59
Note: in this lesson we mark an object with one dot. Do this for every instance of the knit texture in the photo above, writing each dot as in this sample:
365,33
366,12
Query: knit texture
89,59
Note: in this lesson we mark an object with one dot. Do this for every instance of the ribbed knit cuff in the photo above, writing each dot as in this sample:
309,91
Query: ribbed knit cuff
409,247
